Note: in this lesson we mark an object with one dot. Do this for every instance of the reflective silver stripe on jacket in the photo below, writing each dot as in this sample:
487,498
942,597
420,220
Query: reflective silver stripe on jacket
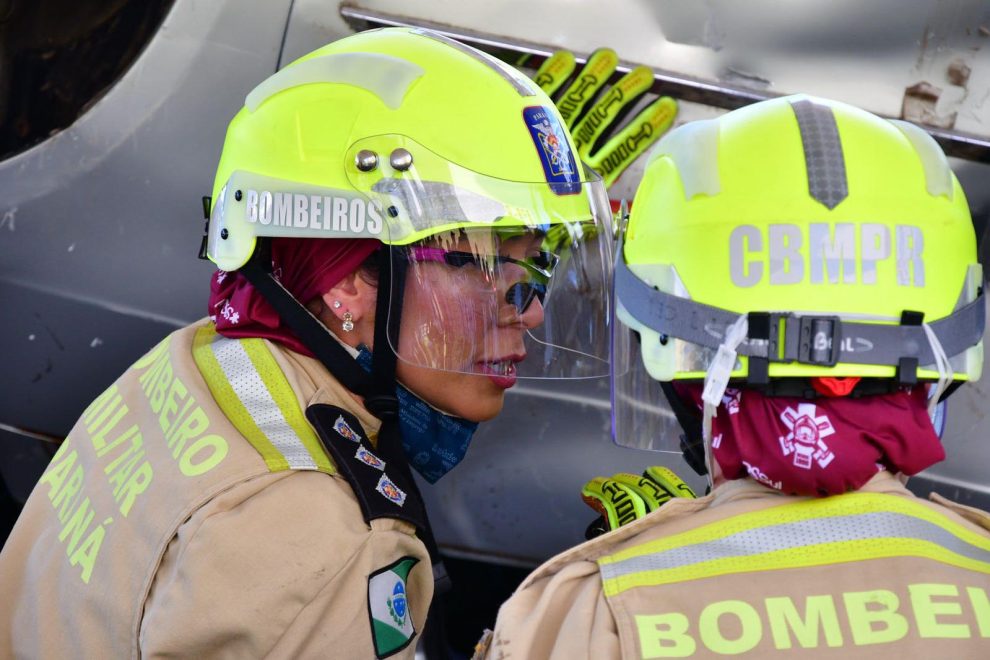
249,387
799,534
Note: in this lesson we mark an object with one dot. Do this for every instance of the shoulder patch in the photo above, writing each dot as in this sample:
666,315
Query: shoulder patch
388,608
382,488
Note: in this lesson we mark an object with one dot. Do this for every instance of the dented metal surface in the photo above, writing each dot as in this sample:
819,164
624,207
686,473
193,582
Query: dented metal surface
732,86
99,223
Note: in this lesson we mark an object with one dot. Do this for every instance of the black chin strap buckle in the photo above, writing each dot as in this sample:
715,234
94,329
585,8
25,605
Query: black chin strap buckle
382,406
760,328
907,367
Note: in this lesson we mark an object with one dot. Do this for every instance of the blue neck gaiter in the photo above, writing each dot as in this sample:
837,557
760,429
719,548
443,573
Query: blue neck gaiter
434,442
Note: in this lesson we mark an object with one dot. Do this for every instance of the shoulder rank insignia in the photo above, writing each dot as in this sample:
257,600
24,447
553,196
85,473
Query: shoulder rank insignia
388,608
390,490
368,458
381,487
345,431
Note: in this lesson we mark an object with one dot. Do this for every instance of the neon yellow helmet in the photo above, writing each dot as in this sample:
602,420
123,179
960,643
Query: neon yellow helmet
336,145
404,135
843,240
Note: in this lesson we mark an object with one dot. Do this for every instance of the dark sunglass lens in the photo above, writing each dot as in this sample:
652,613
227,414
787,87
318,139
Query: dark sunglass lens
521,295
545,260
460,259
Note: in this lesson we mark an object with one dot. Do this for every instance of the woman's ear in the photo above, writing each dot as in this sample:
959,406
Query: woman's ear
351,302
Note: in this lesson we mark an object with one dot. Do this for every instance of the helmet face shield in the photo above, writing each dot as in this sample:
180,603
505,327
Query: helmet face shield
507,302
503,278
641,357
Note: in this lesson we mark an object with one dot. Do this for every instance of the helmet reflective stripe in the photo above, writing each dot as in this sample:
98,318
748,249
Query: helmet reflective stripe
253,393
938,174
385,76
427,203
694,149
520,83
822,152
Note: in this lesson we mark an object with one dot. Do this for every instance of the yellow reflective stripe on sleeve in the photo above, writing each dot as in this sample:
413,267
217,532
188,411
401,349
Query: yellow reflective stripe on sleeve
243,395
285,398
228,401
854,527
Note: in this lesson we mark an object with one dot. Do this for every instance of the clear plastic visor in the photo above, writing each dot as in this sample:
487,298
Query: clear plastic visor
506,279
506,304
642,417
641,359
420,193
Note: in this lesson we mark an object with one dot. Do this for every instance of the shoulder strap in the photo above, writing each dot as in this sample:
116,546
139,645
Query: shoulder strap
254,394
378,477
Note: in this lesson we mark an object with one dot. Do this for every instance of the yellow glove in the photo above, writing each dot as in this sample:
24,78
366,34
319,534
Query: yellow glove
600,142
623,497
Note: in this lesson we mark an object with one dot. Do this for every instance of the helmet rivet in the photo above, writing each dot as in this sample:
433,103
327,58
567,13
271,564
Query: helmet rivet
237,195
224,233
366,160
392,212
400,159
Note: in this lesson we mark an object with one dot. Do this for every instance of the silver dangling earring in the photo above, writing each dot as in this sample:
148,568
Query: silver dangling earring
336,304
348,322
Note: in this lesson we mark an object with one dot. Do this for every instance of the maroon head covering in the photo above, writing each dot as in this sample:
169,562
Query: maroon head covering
826,446
306,267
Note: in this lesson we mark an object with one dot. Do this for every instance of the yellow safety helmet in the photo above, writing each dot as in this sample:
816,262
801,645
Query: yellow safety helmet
402,135
395,134
796,237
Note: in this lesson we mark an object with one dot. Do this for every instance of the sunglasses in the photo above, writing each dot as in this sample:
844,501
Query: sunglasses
521,294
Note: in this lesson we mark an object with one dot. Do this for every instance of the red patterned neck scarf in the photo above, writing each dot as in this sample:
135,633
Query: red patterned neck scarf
824,446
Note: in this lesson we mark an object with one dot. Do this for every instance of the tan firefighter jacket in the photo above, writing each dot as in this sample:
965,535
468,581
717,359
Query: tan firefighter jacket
752,572
194,511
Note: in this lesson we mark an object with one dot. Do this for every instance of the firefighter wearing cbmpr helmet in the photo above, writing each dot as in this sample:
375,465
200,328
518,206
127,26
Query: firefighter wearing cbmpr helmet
799,279
387,261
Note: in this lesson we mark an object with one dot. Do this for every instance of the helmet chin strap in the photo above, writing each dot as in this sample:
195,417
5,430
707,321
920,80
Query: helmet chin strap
378,389
381,401
944,367
710,464
310,331
691,440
